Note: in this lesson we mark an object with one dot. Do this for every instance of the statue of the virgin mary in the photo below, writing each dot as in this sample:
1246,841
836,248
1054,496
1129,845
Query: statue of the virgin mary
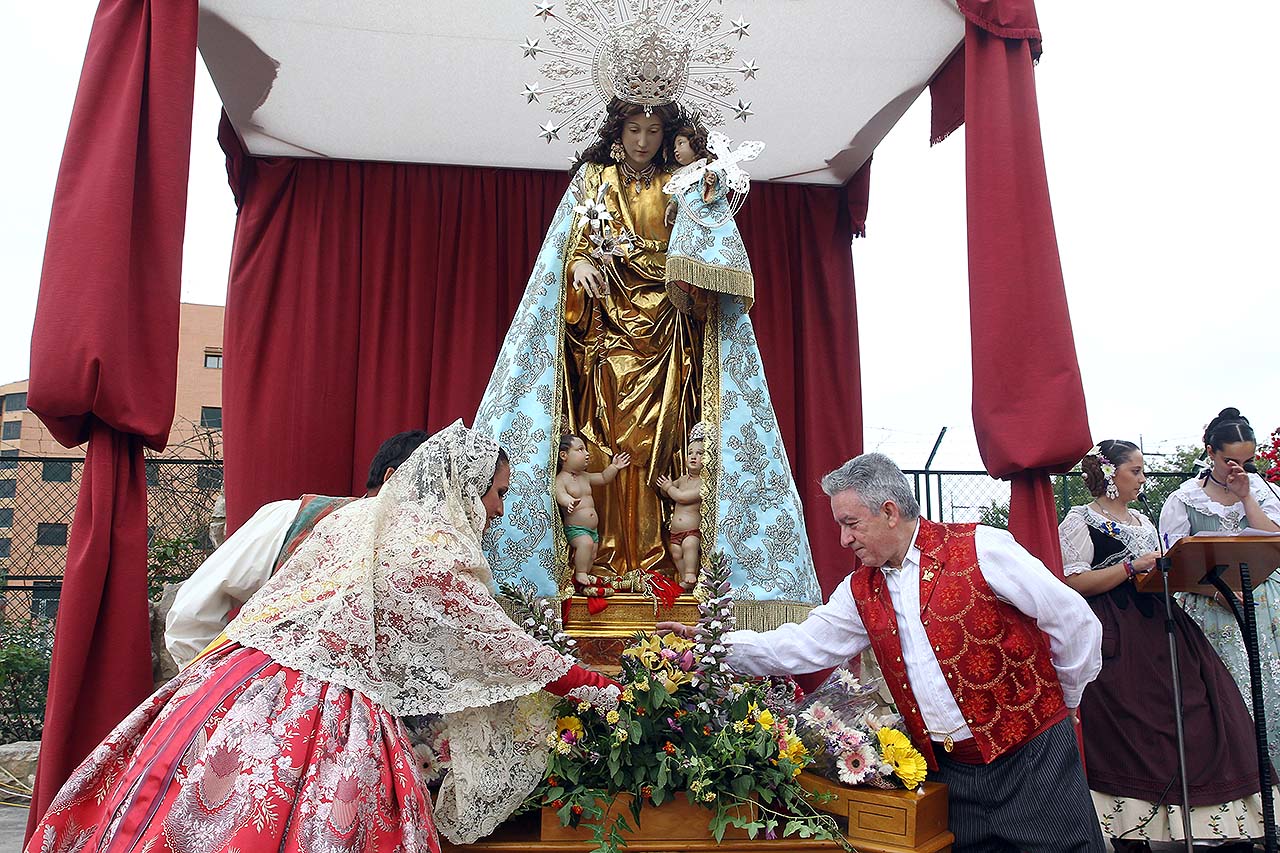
597,349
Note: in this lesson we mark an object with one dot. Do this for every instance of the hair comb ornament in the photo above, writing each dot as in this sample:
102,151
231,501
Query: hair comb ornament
646,52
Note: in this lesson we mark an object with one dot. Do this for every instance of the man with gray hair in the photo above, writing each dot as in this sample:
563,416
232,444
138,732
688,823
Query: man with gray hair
986,654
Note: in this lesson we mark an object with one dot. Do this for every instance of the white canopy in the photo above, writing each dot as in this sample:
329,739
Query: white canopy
439,81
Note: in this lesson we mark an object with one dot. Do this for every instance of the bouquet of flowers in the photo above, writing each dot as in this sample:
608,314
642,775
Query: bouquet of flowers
683,727
850,743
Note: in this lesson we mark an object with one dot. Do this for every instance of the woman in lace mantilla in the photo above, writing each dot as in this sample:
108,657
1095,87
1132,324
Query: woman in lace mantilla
1226,498
1127,714
287,733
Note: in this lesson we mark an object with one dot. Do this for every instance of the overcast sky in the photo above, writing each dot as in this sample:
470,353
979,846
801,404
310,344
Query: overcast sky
1164,181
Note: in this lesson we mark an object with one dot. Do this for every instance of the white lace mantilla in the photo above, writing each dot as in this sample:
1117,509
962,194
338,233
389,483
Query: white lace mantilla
390,596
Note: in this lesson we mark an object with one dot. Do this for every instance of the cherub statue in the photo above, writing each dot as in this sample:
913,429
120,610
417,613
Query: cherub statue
686,516
578,510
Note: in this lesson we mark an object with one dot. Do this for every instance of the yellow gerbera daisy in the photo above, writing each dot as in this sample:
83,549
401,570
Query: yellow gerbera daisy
893,737
907,763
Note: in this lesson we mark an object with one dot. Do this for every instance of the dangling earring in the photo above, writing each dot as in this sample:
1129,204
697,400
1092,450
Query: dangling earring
617,152
1112,491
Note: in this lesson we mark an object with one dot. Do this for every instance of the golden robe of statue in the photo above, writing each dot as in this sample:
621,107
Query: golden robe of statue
632,372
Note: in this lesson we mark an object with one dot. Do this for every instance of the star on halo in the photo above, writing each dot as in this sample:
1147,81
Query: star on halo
740,28
743,110
550,131
530,48
531,92
749,69
543,9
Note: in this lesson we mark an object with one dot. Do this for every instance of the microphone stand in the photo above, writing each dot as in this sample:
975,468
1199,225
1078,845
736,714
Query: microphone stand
1164,564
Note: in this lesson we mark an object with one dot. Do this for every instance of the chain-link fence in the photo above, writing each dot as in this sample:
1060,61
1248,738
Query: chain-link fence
972,496
37,510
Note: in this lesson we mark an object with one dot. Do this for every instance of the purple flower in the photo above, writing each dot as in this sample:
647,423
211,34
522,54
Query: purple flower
686,661
675,726
568,736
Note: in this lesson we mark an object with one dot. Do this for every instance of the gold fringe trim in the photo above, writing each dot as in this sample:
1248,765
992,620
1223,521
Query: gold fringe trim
767,615
710,509
708,277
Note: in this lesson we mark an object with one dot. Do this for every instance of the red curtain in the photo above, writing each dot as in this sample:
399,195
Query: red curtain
1028,400
104,354
367,298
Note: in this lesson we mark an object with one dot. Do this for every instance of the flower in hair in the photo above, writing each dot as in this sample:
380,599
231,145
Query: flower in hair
1107,466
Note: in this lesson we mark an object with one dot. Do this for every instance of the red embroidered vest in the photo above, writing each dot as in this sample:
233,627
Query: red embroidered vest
996,661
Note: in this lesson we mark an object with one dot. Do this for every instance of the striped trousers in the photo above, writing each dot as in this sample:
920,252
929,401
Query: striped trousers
1034,799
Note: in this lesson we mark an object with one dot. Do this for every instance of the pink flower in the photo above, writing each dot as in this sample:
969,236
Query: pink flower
855,766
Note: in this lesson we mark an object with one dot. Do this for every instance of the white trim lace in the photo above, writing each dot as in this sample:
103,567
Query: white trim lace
1077,545
1192,494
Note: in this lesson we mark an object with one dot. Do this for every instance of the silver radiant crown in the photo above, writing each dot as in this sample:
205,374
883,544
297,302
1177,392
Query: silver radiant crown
645,52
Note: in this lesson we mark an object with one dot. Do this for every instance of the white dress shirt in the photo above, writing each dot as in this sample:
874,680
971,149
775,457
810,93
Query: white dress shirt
834,633
228,579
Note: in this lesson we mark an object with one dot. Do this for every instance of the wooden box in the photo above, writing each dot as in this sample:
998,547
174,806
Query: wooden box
892,821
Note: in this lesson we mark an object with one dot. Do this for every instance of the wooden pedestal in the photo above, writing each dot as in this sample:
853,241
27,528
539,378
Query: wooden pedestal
602,637
878,822
676,820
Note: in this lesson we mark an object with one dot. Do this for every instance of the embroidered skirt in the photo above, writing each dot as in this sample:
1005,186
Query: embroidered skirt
240,753
1128,722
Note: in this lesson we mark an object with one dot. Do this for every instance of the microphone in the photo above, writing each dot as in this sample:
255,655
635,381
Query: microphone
1251,468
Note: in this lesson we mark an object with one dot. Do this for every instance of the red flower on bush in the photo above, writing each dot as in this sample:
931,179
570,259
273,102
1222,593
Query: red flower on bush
669,748
576,809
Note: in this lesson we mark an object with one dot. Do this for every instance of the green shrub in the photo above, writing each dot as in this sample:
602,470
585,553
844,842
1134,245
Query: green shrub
25,651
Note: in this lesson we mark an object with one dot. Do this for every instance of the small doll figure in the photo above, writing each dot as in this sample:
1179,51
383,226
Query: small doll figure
706,251
578,510
686,516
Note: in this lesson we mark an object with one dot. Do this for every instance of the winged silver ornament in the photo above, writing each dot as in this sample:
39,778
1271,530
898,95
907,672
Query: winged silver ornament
725,159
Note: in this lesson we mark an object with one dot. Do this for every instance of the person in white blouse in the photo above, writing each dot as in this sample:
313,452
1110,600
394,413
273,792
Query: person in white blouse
944,607
246,560
1227,498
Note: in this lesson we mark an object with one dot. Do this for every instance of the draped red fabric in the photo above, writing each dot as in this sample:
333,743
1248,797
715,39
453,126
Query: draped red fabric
1028,400
367,298
104,353
806,324
1006,19
102,652
946,96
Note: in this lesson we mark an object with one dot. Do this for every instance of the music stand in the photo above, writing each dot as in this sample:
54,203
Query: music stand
1208,564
